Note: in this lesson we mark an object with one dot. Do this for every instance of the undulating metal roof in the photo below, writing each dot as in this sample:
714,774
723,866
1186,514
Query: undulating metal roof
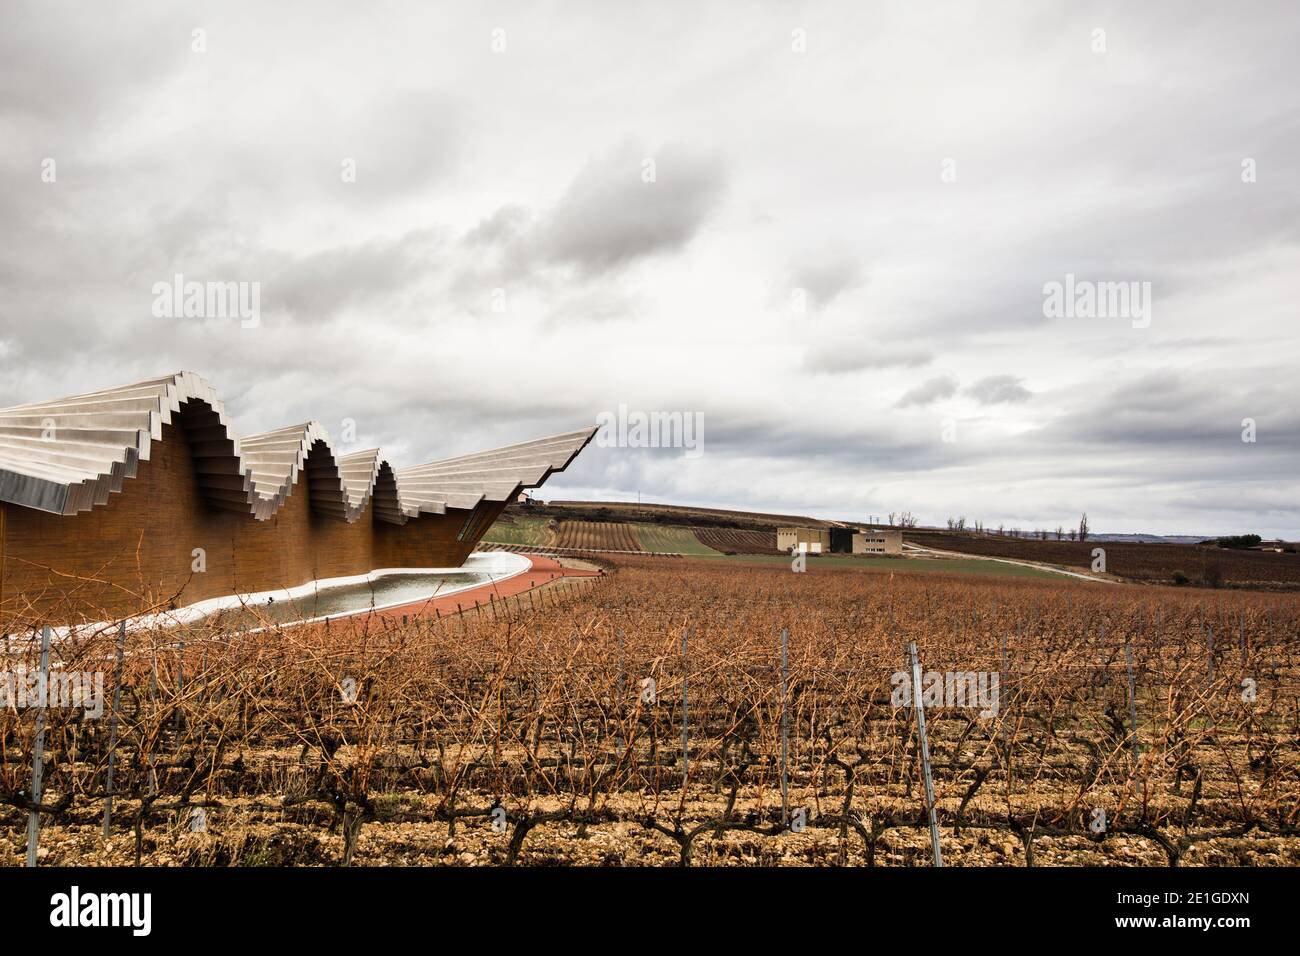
68,455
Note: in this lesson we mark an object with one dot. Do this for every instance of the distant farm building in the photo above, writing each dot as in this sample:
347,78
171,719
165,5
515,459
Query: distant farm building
842,540
813,540
878,542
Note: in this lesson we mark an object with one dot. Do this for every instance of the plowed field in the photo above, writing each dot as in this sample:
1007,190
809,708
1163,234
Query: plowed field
597,535
738,541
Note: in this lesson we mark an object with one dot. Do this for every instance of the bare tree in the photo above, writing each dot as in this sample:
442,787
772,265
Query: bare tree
1083,527
1060,532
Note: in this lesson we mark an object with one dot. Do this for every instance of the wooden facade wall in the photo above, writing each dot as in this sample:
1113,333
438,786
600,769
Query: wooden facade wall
136,552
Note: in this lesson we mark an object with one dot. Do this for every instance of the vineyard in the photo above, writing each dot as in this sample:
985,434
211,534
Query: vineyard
528,532
668,539
1154,563
525,531
596,535
673,514
738,541
532,531
647,718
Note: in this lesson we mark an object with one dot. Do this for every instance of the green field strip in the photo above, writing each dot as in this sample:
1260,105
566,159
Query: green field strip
654,537
530,532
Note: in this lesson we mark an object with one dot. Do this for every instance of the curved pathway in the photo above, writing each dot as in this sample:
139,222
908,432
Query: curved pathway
544,570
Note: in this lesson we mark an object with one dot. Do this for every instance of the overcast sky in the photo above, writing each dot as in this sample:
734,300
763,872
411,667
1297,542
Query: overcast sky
913,173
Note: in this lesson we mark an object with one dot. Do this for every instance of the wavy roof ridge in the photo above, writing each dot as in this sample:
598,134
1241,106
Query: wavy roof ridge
69,454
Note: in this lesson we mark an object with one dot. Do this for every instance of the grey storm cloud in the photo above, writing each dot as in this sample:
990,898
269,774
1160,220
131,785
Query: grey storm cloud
406,141
826,279
610,215
500,227
1173,410
56,76
836,358
315,287
929,391
996,389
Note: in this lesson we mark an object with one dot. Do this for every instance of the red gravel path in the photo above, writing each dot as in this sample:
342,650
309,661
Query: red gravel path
544,570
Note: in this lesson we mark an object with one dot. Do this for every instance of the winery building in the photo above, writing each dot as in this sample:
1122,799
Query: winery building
142,497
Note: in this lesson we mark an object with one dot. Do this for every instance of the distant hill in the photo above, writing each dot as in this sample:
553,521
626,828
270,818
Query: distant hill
1136,538
765,521
1150,538
669,514
1163,561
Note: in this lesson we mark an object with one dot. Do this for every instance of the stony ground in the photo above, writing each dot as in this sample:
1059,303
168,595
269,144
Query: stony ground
244,835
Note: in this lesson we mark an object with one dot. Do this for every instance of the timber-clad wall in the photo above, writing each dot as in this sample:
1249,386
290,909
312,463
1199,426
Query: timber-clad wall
135,553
